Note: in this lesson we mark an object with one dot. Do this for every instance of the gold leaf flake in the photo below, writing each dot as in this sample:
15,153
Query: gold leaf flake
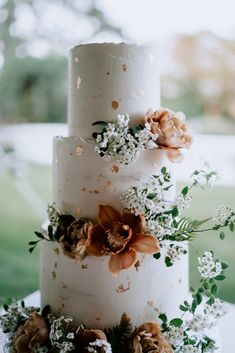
137,265
108,73
96,192
115,104
150,303
98,318
79,151
76,60
124,67
53,275
115,169
122,289
57,251
84,267
83,189
108,184
79,80
78,211
55,264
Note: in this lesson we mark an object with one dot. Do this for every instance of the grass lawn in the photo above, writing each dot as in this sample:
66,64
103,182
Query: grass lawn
19,269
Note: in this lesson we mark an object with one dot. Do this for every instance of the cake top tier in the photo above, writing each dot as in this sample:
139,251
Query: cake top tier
109,79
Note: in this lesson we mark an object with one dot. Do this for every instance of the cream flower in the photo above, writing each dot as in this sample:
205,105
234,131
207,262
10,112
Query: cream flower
148,338
172,132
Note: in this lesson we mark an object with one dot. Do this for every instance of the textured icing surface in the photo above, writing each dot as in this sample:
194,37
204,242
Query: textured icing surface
83,180
88,292
109,79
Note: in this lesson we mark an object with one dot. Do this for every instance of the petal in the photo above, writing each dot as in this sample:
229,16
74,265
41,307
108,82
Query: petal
136,223
122,261
108,215
96,242
146,244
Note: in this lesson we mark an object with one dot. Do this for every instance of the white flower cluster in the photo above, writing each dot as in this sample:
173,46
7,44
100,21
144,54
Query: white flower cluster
209,267
182,202
174,252
15,313
118,142
175,336
217,309
222,215
189,348
53,215
59,336
102,344
205,177
40,349
148,200
200,322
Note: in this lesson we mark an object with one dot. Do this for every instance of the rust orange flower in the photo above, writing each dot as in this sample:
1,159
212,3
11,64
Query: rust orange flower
172,132
149,338
86,336
121,236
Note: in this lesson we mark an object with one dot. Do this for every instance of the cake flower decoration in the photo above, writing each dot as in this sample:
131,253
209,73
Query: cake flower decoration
172,132
124,142
121,236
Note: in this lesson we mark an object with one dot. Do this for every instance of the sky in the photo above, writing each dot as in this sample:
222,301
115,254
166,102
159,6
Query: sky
157,20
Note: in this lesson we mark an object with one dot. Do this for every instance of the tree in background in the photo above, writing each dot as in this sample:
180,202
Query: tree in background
34,40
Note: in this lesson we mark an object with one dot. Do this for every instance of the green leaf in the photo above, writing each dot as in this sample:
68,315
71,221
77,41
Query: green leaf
214,289
39,235
168,261
222,235
210,301
194,305
184,191
100,122
220,277
224,265
164,170
177,322
206,285
32,243
183,308
199,298
231,226
157,255
175,212
163,318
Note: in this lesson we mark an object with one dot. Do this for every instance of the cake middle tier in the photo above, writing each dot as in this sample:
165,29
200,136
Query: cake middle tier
83,180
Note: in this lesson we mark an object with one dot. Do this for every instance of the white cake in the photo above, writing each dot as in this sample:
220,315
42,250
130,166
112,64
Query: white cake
106,80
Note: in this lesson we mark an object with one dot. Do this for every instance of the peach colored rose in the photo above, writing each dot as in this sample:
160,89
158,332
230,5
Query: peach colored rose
172,132
122,236
149,338
74,238
86,336
34,332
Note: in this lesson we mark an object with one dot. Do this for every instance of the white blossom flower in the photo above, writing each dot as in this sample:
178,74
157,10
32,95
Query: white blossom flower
209,267
174,252
205,177
182,202
217,309
189,348
106,346
222,215
175,336
200,322
40,349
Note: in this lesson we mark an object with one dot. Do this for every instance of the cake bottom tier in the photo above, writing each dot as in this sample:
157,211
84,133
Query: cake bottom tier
91,295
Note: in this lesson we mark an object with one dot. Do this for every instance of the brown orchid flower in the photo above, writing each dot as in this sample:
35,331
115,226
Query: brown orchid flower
34,332
122,236
86,336
172,132
149,338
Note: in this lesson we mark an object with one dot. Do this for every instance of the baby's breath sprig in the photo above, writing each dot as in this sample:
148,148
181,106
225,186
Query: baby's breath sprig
189,334
122,142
